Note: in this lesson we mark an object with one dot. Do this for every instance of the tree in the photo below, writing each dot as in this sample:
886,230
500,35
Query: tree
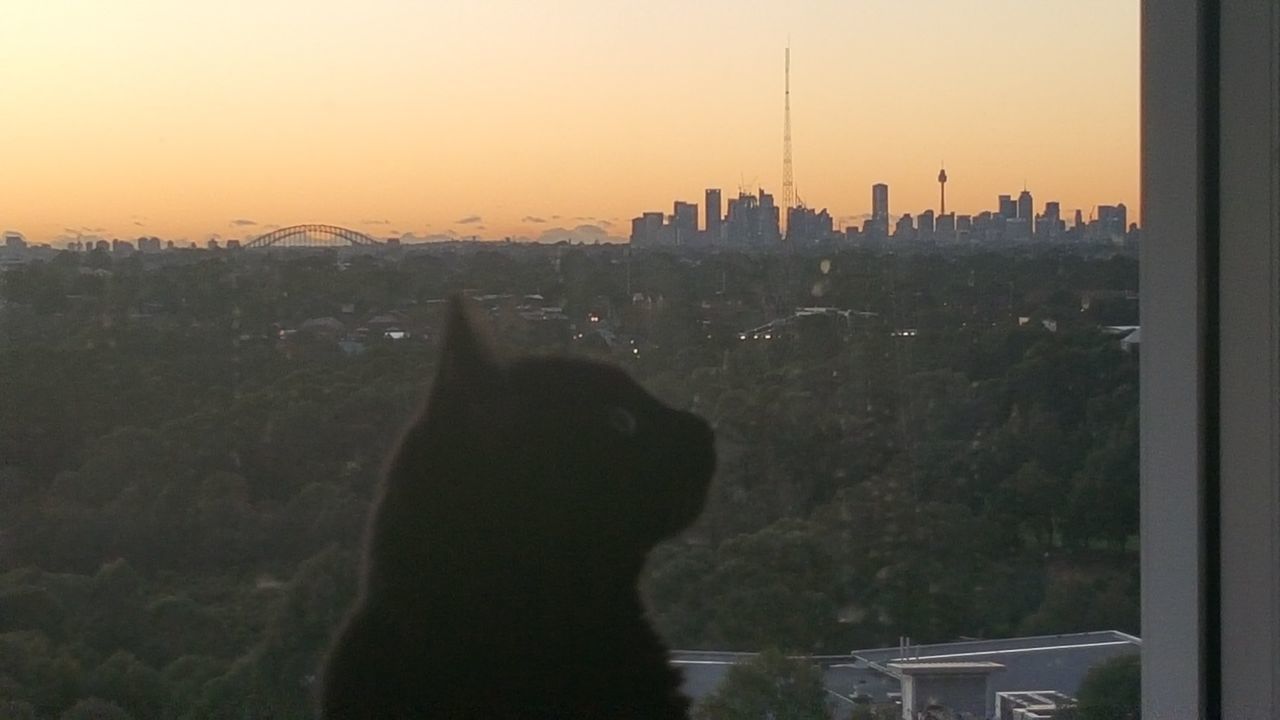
17,710
770,685
130,683
1112,690
95,709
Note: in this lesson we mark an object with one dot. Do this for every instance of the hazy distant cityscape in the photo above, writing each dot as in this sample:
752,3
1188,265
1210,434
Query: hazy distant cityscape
754,220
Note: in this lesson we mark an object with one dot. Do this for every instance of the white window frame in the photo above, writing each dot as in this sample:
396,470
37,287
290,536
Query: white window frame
1210,396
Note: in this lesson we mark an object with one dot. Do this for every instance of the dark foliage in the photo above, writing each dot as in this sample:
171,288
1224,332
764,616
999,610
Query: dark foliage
184,482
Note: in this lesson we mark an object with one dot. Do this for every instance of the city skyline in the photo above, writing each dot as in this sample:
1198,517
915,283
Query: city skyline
690,216
142,118
754,218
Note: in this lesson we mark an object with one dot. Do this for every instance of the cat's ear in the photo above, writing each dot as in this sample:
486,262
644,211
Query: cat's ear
469,388
467,357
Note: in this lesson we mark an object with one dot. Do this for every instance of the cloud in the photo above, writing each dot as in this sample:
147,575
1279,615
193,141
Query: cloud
579,234
532,219
241,222
853,218
604,223
376,222
447,236
93,229
555,217
139,223
468,220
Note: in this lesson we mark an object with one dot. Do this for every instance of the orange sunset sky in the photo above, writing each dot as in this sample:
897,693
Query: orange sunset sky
193,118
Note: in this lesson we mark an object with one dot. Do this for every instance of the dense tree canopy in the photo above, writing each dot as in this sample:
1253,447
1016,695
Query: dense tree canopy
185,471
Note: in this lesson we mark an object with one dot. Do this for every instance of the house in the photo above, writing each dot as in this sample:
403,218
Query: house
983,668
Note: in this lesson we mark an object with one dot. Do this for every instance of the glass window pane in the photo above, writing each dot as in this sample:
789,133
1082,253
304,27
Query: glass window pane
888,251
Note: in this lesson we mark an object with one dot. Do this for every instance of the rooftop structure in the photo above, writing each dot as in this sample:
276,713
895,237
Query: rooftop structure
1040,664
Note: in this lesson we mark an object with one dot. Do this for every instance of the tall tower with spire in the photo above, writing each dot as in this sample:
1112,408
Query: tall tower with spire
942,186
788,180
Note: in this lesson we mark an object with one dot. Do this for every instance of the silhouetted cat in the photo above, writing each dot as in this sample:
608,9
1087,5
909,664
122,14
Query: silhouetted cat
503,554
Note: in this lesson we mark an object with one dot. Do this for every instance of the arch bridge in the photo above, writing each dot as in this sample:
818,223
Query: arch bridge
312,235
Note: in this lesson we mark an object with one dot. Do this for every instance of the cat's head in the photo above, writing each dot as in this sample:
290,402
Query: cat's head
571,446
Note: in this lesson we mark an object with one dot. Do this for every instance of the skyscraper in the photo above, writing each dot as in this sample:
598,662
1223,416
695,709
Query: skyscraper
684,216
1112,220
770,229
1008,208
1026,215
1049,224
652,223
1025,210
742,222
880,209
713,214
880,202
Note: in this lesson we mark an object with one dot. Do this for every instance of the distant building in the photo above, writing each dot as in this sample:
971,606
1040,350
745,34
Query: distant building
742,221
904,229
637,231
646,230
770,219
945,228
807,225
1049,225
684,220
880,201
1113,222
121,247
14,241
878,223
679,228
1008,207
1017,229
925,223
1026,216
713,214
325,328
148,244
752,219
974,676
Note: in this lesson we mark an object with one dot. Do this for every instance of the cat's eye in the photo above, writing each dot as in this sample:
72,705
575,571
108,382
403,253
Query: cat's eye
623,421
